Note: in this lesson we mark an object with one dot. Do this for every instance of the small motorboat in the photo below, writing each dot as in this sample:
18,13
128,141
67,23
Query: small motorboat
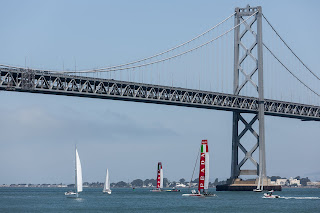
71,194
270,195
156,190
173,190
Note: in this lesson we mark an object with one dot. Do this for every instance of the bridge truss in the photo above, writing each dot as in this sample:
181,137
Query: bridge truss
24,80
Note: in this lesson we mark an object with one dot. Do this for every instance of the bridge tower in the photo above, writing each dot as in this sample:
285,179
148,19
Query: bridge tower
242,77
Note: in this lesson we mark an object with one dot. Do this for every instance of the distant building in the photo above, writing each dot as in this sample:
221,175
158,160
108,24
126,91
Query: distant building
282,182
294,182
313,184
180,185
150,185
192,184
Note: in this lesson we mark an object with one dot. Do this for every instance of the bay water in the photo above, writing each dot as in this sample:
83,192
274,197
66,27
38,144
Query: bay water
142,200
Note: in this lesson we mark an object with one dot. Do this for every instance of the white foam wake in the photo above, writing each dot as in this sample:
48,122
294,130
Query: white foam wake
302,198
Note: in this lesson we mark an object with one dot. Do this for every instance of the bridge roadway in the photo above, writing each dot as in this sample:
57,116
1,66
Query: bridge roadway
36,81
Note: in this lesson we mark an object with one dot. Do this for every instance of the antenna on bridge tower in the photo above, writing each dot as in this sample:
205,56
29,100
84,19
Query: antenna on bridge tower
248,52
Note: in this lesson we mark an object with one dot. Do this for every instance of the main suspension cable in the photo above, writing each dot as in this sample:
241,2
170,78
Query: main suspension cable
165,59
290,71
291,49
171,49
144,59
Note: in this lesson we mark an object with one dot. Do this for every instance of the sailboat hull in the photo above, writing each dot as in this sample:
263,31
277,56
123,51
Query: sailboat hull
107,192
71,194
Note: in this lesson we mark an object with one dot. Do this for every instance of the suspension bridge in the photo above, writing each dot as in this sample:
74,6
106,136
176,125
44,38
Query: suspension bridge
241,64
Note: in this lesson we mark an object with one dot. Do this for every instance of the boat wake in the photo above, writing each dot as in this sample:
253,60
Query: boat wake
302,198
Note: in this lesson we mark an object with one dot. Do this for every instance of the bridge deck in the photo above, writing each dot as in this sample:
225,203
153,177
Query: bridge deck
21,80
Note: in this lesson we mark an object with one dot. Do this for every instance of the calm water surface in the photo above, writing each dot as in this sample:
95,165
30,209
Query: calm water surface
142,200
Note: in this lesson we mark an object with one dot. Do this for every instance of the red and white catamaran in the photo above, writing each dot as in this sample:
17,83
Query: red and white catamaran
159,178
203,173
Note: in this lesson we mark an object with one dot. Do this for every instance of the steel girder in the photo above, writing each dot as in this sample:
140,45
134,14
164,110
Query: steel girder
60,84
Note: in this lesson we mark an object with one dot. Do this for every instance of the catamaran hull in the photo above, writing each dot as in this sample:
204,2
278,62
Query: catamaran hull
192,195
198,195
173,190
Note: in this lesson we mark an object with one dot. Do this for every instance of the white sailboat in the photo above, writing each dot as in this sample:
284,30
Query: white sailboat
259,188
106,187
78,178
203,174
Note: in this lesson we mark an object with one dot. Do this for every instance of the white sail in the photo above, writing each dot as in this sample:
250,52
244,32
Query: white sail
161,178
78,173
206,177
106,186
259,180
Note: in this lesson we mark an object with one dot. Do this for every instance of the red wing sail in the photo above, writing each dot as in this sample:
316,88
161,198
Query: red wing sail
204,150
159,175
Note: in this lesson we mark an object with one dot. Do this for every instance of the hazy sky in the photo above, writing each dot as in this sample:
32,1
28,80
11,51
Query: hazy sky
38,132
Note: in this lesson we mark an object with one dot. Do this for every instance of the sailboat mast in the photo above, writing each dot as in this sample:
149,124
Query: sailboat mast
75,168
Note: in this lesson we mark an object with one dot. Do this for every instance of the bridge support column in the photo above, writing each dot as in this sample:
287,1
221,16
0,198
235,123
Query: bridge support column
246,54
27,79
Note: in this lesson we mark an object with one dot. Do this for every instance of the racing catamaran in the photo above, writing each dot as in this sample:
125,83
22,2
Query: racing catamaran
159,178
203,173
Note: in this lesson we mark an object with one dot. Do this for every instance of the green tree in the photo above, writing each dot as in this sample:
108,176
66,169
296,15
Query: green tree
216,181
165,182
182,180
137,183
195,180
304,181
274,178
150,181
121,184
